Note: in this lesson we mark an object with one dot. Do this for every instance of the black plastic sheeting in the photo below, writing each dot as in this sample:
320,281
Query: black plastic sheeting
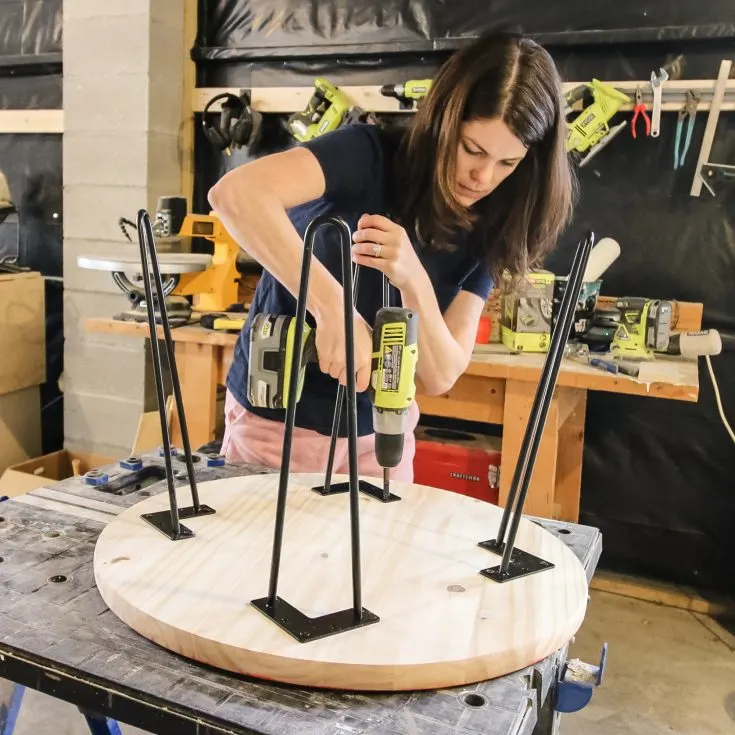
30,79
260,29
658,474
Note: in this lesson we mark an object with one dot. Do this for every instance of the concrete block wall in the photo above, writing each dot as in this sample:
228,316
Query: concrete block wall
123,81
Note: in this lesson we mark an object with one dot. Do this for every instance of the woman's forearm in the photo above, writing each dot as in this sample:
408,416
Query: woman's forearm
259,223
441,358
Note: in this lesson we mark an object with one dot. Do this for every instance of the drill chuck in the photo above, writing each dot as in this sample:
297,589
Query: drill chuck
390,428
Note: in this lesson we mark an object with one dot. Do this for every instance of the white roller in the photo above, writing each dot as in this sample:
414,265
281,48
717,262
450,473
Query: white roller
602,256
695,344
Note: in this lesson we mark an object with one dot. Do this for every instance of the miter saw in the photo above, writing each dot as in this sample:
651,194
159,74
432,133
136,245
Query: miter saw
589,132
211,281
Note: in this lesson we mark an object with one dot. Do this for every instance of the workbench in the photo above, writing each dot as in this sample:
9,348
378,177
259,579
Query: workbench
57,636
498,387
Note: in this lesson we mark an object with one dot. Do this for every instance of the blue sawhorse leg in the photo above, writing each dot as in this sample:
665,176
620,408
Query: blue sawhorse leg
99,725
11,697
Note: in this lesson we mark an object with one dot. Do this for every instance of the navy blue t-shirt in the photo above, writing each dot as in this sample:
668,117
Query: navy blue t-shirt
357,164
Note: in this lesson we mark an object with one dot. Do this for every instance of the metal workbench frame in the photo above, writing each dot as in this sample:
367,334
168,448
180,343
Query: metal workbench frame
60,639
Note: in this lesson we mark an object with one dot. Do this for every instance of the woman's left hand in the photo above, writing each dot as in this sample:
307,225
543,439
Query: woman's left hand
382,244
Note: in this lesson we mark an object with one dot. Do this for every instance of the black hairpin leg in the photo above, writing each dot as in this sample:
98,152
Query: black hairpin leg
168,522
281,612
516,562
327,489
383,494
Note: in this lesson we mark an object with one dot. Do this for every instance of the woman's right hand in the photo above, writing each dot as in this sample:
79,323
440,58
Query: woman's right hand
330,348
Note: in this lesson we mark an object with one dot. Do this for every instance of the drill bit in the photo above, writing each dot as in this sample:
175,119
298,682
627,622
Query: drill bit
386,483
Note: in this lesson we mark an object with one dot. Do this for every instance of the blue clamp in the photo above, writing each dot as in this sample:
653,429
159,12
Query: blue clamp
215,460
577,683
132,463
161,452
96,477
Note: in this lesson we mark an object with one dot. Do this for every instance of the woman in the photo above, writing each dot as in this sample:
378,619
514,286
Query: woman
480,183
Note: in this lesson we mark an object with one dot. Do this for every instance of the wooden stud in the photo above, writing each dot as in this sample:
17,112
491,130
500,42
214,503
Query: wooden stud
472,398
519,398
289,99
570,455
197,366
187,119
31,121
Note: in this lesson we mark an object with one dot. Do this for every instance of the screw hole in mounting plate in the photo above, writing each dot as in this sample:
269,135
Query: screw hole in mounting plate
52,534
472,699
2,559
565,531
144,493
2,519
58,578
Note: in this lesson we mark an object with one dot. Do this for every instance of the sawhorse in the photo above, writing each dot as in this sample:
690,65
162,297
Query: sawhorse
11,698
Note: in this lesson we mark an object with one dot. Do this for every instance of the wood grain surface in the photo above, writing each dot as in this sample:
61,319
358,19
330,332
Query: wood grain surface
441,622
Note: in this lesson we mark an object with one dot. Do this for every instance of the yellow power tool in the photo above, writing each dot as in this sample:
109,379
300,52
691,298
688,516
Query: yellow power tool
408,94
589,132
392,381
326,111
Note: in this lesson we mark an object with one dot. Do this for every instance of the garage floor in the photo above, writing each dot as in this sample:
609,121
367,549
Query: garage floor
669,672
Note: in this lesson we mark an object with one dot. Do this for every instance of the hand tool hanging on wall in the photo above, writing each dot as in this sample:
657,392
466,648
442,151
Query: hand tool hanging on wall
657,82
516,562
688,112
589,132
639,109
168,522
292,620
239,125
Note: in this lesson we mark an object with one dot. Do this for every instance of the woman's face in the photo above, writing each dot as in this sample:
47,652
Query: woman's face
487,153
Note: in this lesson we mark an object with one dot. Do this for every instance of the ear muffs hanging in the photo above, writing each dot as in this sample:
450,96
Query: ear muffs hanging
239,124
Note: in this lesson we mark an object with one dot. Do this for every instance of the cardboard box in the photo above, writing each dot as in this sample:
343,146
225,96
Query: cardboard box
22,331
527,313
20,426
48,470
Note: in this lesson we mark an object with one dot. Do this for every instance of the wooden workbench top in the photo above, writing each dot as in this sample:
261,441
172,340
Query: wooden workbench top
674,378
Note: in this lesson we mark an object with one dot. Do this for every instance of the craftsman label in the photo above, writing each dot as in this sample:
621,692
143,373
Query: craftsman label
392,356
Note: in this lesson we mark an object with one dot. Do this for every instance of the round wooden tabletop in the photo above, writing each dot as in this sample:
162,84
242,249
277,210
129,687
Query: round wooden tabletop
441,623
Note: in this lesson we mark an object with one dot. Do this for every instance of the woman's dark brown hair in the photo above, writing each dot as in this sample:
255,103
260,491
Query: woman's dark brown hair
514,227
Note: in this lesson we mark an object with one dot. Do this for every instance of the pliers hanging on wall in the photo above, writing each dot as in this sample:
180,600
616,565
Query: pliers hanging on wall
688,111
639,109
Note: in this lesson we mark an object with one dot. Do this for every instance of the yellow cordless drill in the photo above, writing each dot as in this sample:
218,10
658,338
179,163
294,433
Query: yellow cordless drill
392,381
408,93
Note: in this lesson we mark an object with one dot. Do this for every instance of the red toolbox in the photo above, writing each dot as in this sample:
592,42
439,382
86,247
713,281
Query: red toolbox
459,461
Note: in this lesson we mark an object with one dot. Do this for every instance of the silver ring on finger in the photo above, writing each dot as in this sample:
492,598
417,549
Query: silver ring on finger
376,251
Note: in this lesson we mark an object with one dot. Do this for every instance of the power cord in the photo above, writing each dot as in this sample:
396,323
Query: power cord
718,398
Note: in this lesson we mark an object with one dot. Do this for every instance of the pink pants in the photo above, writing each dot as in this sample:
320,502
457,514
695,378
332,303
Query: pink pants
251,438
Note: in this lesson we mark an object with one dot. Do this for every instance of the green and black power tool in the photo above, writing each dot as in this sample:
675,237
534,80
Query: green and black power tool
326,111
392,381
408,93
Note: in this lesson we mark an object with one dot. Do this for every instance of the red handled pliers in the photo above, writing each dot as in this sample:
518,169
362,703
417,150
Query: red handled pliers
639,108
